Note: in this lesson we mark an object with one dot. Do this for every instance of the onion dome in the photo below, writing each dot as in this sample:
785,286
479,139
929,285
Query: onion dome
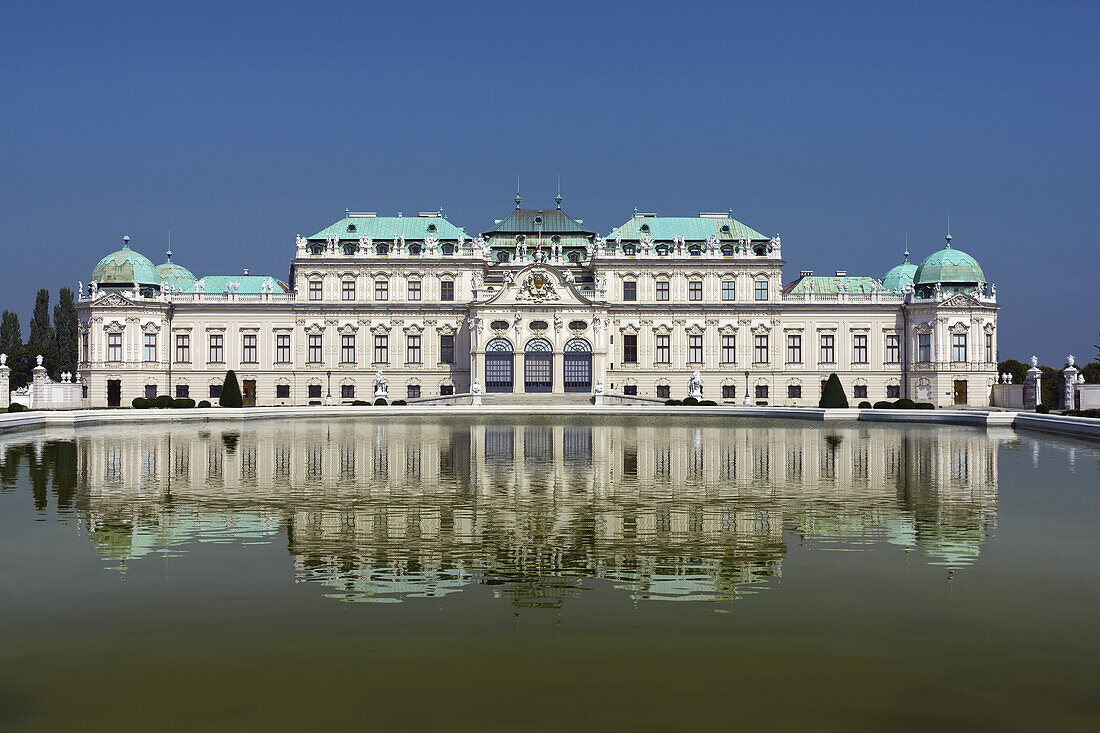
949,267
175,275
126,268
900,276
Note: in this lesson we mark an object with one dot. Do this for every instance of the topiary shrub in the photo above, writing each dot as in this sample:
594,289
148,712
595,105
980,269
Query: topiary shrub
360,403
183,403
707,403
865,405
905,404
689,401
924,406
1042,409
380,401
231,391
16,407
139,403
833,394
672,402
883,405
204,403
162,401
398,403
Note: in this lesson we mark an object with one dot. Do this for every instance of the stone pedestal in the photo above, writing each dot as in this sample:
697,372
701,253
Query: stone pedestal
1033,387
38,385
5,382
475,400
1069,385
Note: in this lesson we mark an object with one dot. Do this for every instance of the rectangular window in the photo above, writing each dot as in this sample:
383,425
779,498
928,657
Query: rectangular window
414,290
381,348
729,392
630,348
314,289
893,348
347,391
347,290
149,352
282,391
664,353
663,391
215,391
794,348
794,391
662,290
729,348
182,391
412,391
85,347
630,290
859,348
761,391
150,391
282,348
958,347
828,349
989,348
695,290
447,290
316,355
729,290
446,349
381,289
631,390
446,390
412,349
217,350
695,348
924,347
314,391
761,289
859,391
248,349
183,347
347,348
893,391
760,349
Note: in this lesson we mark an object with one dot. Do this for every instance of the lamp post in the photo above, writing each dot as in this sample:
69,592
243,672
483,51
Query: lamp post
328,393
748,400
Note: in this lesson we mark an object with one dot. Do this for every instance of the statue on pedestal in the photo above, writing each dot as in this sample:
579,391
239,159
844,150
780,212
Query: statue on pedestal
381,387
695,385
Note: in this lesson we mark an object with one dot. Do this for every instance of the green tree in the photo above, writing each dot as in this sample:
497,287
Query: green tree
41,340
231,391
66,331
1017,369
1091,372
833,394
11,343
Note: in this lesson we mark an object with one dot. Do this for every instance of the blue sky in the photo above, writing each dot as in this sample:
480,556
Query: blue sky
844,127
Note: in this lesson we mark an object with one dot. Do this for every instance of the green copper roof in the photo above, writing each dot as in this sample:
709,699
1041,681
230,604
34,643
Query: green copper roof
388,227
830,283
532,221
900,276
949,265
125,267
691,228
174,274
249,284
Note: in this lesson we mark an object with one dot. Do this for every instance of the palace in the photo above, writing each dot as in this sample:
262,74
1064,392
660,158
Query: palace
538,303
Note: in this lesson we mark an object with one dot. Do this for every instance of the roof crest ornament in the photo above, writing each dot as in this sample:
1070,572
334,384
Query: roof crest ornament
949,231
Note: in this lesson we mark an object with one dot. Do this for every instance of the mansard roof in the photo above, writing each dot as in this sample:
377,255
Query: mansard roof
532,221
691,228
832,284
354,226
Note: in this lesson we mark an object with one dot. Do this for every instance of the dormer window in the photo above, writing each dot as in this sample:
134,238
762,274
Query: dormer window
316,249
726,228
662,249
645,227
555,239
727,250
538,219
351,227
431,227
520,239
383,248
760,249
448,249
695,251
350,248
502,256
628,249
574,256
414,249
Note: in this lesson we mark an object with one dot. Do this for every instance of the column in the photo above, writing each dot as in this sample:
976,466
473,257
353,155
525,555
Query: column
557,378
5,382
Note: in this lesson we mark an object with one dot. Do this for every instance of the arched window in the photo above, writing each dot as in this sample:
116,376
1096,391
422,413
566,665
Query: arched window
538,345
578,345
662,249
448,249
628,249
695,250
414,249
350,248
383,248
502,256
727,250
499,345
760,249
317,249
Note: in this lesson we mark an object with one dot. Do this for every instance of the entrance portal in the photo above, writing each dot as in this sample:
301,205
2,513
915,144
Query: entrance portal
577,366
498,366
960,391
538,366
114,393
248,393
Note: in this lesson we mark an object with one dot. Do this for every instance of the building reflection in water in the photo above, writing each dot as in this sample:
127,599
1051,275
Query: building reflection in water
383,511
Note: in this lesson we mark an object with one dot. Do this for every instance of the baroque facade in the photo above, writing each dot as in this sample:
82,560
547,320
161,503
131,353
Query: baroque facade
538,303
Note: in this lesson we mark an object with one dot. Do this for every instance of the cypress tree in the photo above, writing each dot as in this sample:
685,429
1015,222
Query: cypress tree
833,394
11,343
231,391
41,340
66,329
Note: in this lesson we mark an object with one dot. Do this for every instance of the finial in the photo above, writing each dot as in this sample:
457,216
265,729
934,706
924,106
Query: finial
949,231
347,212
906,246
558,199
126,242
518,197
635,211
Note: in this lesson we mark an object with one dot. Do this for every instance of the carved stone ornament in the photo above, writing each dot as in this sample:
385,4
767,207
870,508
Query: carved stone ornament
538,286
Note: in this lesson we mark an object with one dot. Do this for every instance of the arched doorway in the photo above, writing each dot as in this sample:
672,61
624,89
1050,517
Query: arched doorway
498,366
577,366
538,366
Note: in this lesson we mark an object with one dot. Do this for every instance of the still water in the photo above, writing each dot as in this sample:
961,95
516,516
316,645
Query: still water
610,574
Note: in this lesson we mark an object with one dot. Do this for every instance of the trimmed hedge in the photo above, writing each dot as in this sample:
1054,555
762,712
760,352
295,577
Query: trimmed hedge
905,404
360,403
140,403
924,406
183,402
833,394
1082,413
883,405
380,401
399,402
162,401
707,403
16,407
865,405
690,401
673,402
231,391
1042,409
204,403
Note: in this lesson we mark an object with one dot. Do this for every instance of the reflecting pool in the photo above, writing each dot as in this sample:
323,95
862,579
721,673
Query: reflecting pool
651,574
